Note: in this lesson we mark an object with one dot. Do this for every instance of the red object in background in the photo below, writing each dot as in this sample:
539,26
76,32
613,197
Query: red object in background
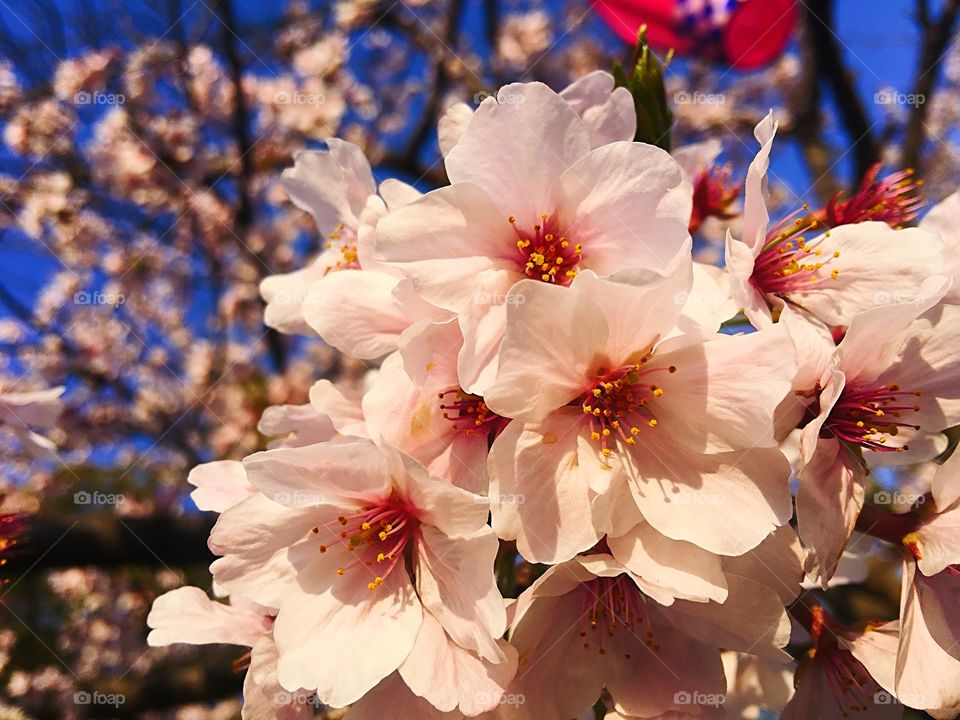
742,33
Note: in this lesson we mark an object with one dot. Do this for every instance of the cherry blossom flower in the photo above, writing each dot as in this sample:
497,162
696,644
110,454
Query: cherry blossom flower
836,680
337,188
891,388
586,625
606,406
832,273
352,544
418,406
559,207
24,412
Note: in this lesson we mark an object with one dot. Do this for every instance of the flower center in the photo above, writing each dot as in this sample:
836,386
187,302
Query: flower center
469,414
853,688
870,416
787,262
344,239
619,404
612,604
375,538
545,254
713,194
895,200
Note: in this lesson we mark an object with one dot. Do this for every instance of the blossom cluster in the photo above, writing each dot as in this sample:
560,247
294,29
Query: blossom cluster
558,380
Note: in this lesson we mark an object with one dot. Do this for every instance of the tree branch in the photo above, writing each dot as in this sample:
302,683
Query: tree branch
936,41
109,541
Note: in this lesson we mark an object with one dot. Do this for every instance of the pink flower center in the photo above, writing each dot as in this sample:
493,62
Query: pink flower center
788,263
375,538
851,685
870,416
612,604
895,200
469,414
619,404
713,194
545,254
344,239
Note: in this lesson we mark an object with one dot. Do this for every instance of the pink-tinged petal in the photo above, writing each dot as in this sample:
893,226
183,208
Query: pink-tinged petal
777,562
326,473
677,668
829,501
929,364
295,425
936,541
608,113
946,483
944,219
939,597
679,569
254,537
429,352
832,384
704,400
814,345
927,675
453,510
331,185
755,215
726,503
356,312
263,697
697,157
344,641
815,348
537,136
188,615
739,260
876,649
709,303
874,267
628,205
453,124
452,678
555,675
553,339
285,294
220,485
751,620
639,307
341,405
876,336
396,193
38,408
447,241
539,489
483,323
456,583
392,692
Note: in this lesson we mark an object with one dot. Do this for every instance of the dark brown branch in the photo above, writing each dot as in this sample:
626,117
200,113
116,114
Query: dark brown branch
107,541
241,131
936,41
832,71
